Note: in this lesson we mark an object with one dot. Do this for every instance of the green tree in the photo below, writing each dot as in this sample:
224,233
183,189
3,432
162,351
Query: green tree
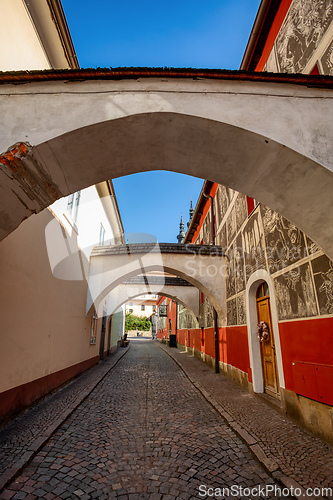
134,322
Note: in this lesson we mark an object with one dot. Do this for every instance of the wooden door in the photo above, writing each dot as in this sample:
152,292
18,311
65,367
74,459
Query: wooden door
267,347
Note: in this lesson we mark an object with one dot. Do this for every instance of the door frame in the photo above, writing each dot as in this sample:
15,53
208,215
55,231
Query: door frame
252,323
271,338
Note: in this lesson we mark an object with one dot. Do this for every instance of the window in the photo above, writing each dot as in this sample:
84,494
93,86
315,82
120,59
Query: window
154,309
143,308
130,311
131,303
262,290
73,205
93,329
70,203
76,205
101,235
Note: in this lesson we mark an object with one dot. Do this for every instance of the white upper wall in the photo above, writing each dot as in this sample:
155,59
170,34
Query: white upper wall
20,46
35,36
89,219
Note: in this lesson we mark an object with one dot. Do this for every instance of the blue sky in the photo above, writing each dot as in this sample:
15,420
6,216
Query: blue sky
179,34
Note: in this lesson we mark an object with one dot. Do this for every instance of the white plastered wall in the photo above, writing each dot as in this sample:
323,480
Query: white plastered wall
22,48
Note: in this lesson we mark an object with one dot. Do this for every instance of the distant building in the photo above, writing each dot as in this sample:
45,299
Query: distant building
142,306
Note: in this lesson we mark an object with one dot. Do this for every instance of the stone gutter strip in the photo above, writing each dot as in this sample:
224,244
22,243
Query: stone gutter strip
177,248
83,74
271,466
33,448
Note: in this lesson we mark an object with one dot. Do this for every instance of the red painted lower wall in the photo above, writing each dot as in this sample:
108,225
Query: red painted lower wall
307,356
234,348
233,345
307,353
14,400
162,333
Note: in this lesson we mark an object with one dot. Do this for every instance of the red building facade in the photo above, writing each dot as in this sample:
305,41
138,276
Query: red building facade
277,336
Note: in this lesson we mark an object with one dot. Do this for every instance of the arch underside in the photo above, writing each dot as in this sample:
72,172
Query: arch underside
291,184
95,298
164,294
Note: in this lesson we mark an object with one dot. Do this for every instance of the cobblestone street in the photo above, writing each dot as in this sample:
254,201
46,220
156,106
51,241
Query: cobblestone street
145,431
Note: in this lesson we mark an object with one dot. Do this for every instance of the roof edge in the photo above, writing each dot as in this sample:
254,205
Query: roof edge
60,21
16,77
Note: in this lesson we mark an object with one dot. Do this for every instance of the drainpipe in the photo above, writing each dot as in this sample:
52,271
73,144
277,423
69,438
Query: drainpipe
176,326
212,229
216,334
255,33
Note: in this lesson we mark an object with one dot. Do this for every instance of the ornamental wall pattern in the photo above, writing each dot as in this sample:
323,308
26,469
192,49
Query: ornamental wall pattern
305,39
301,273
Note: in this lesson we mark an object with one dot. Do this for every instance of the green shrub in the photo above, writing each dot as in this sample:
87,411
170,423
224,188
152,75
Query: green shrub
135,323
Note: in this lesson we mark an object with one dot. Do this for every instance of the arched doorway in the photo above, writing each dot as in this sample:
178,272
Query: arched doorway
267,341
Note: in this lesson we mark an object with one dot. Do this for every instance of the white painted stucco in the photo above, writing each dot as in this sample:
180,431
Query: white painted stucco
20,47
271,141
205,272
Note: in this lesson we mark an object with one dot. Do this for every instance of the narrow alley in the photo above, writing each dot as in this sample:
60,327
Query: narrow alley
145,431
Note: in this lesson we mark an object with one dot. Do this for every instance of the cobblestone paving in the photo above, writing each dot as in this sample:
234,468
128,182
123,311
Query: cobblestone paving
299,454
20,433
144,432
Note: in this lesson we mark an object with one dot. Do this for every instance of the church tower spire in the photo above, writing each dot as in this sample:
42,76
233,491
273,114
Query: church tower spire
181,234
191,212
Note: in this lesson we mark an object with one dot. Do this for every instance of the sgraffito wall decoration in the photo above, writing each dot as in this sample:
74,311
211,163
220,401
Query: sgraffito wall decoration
186,319
241,310
326,61
221,238
254,247
232,312
239,265
231,227
206,230
230,272
208,313
295,293
301,34
323,276
311,247
241,210
285,243
302,275
222,203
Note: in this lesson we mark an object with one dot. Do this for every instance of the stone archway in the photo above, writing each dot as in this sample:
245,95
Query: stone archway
214,128
182,292
200,265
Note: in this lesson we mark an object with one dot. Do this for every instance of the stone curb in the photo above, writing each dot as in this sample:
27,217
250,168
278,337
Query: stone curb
267,463
9,475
